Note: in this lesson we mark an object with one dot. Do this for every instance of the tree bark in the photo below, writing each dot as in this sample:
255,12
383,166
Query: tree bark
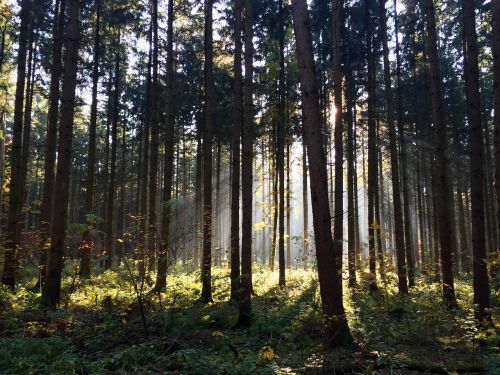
86,245
206,273
280,156
235,146
442,179
168,165
479,258
495,29
155,133
245,307
393,146
110,210
338,218
337,330
372,150
15,196
51,292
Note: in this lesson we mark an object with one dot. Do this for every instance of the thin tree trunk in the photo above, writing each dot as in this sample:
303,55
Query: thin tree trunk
442,184
479,258
86,246
338,214
168,164
206,273
15,196
51,292
280,156
235,147
108,246
245,307
153,157
393,146
495,29
372,150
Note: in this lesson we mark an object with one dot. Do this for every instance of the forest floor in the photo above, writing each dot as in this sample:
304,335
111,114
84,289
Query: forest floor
99,328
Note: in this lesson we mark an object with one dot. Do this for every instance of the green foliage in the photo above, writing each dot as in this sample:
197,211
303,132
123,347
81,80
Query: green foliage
100,331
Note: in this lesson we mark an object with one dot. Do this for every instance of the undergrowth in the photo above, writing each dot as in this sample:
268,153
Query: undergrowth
99,327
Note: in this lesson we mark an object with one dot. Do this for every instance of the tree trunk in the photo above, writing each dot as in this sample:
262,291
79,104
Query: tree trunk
337,330
235,146
153,157
305,206
168,165
393,146
280,156
86,245
15,196
51,292
245,307
351,219
495,28
443,190
338,215
110,213
479,258
206,273
372,150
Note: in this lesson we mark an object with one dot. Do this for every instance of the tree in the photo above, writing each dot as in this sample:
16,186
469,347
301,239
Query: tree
51,291
495,42
155,134
337,330
280,156
111,194
372,149
235,152
245,307
15,188
168,163
473,99
86,246
338,222
206,271
442,182
396,189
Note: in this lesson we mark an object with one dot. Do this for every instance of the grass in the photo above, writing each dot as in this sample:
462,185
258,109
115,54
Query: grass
99,329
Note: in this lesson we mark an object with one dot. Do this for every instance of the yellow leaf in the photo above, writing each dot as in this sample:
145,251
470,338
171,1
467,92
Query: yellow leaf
266,354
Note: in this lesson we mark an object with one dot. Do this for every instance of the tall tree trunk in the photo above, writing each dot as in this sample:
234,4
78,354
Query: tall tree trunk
27,115
442,183
235,148
351,214
403,167
372,149
393,146
495,28
338,215
168,164
153,157
479,258
86,246
51,292
280,156
144,227
15,196
288,208
337,330
305,205
110,210
3,116
245,307
206,273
